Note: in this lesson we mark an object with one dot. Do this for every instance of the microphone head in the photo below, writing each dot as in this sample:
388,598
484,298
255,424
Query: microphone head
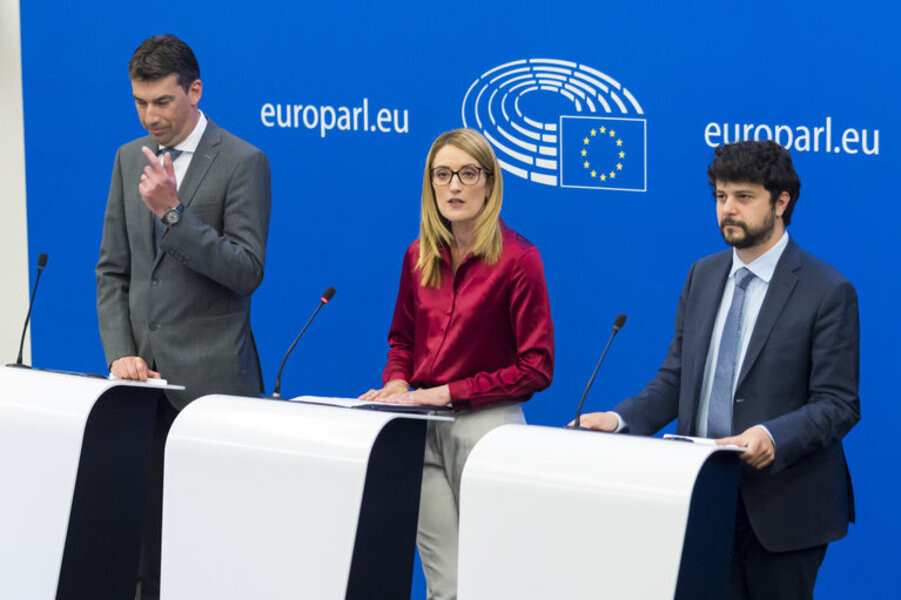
42,260
619,322
328,294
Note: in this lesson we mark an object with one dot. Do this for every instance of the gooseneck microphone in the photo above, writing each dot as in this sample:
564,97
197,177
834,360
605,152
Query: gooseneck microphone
617,325
42,262
326,296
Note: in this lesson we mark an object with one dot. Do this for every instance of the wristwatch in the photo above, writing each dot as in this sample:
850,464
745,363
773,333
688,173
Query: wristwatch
173,215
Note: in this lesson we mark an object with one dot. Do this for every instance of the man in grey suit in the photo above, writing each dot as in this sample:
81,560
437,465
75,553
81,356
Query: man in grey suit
183,249
765,355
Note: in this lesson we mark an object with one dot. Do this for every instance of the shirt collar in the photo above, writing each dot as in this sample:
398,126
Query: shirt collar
189,144
764,265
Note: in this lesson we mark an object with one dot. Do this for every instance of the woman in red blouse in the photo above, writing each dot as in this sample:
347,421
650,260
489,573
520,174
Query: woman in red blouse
472,329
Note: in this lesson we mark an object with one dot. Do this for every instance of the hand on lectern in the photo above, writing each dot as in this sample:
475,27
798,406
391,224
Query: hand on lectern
395,386
132,367
600,421
436,396
760,451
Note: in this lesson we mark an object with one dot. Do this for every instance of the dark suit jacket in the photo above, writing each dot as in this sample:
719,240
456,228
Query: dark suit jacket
799,378
186,309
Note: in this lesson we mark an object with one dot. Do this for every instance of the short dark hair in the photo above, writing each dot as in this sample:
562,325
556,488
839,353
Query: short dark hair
162,55
764,162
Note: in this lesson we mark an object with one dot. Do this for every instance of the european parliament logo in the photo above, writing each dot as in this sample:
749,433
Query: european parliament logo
543,118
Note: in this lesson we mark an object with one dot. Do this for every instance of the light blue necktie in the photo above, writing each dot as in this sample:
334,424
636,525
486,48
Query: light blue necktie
719,415
158,228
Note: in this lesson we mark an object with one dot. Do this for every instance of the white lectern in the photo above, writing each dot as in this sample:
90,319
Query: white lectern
281,499
74,469
553,513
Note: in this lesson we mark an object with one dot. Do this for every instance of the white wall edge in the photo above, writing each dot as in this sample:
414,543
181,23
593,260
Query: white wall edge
14,225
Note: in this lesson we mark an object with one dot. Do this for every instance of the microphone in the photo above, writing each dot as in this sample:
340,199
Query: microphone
326,296
42,262
617,325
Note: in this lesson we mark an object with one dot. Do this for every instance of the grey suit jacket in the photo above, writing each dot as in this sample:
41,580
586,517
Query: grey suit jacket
799,378
186,309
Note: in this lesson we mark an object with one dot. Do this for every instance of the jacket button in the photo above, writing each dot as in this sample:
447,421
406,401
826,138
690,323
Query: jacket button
154,282
153,327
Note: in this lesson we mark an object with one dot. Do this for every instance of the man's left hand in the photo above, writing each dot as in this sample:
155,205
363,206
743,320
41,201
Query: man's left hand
760,451
158,187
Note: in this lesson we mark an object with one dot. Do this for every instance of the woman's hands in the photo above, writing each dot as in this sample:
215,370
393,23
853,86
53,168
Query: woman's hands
397,391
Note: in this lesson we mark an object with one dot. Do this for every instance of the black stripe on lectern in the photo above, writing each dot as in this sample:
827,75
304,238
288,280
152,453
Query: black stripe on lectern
707,551
382,564
103,542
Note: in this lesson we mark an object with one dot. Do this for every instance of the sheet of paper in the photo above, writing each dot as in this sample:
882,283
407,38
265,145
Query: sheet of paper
354,403
150,381
702,442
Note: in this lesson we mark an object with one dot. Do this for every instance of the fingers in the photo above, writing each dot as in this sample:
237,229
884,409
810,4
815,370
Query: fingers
169,166
141,369
132,367
760,455
373,395
152,159
600,421
760,452
395,386
397,398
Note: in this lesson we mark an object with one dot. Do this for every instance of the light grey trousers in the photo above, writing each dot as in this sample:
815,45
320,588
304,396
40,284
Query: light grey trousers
447,447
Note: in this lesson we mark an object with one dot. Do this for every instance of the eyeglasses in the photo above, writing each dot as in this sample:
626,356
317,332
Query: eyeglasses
468,175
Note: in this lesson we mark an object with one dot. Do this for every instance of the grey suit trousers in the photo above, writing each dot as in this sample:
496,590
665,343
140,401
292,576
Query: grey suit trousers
447,447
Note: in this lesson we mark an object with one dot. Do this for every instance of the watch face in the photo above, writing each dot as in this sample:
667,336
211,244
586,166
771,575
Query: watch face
171,216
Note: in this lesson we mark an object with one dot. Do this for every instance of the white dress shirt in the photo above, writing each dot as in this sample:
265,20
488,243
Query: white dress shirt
187,146
763,268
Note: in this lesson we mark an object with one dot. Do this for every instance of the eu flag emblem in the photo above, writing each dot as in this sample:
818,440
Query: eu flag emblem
603,153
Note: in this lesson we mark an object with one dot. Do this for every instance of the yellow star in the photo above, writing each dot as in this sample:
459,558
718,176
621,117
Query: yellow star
619,166
603,129
619,142
594,173
585,141
621,154
593,132
612,175
584,151
603,177
612,133
587,164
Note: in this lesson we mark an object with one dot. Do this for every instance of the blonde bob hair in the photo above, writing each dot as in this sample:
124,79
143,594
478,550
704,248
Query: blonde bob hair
435,231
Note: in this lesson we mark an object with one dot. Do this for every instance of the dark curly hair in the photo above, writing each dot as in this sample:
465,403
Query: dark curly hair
764,162
163,55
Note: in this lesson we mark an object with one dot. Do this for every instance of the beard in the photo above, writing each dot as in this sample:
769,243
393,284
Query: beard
748,237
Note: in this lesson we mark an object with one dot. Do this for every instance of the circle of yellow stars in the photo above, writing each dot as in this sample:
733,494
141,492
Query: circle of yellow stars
619,165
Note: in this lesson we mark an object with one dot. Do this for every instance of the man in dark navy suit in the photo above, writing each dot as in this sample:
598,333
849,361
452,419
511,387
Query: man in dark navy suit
765,355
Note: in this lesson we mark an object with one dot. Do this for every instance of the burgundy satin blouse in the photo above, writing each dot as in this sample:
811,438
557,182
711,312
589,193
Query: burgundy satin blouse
486,332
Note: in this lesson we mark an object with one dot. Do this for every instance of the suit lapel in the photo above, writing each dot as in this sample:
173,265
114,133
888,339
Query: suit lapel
778,292
699,329
201,162
149,216
207,150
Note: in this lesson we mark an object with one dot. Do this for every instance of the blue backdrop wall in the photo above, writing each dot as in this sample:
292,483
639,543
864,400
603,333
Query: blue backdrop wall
671,79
